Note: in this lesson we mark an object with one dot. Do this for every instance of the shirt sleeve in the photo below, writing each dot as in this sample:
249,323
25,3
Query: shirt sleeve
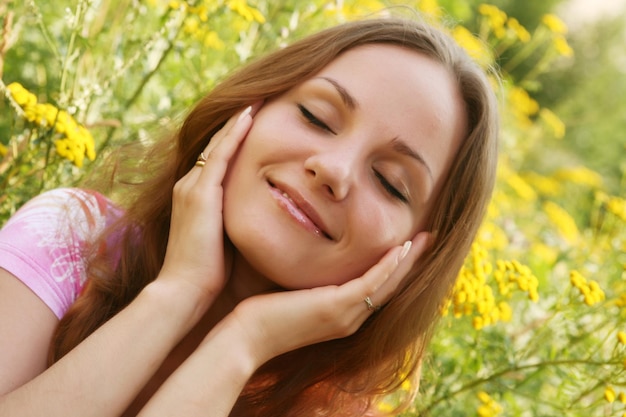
44,243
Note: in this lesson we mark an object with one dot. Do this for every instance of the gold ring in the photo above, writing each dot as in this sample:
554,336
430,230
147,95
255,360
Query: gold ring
201,160
370,305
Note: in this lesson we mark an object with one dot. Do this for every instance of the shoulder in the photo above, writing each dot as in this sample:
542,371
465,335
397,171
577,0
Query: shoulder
45,242
63,201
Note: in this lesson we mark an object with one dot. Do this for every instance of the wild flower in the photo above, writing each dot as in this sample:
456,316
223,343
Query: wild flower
474,46
247,12
431,8
474,295
563,222
554,23
488,406
617,206
553,121
74,141
521,187
522,105
579,175
589,289
609,394
496,19
519,31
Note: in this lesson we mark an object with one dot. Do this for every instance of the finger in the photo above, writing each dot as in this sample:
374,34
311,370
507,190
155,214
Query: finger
357,290
378,284
418,246
219,137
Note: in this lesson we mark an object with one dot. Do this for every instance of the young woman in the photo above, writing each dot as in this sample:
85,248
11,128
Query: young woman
286,255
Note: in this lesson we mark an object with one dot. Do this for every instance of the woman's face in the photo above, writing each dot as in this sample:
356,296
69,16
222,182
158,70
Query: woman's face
339,169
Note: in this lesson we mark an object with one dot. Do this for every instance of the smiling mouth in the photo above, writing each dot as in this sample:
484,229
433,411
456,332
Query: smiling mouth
301,212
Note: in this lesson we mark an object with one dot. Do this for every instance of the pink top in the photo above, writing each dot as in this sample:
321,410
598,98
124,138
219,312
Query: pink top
43,243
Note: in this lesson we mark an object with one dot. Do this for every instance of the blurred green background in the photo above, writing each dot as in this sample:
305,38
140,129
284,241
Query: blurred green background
535,326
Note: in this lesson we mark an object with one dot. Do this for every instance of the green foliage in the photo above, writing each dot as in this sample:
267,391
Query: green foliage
534,326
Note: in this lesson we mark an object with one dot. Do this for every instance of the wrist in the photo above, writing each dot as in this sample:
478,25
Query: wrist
243,353
177,301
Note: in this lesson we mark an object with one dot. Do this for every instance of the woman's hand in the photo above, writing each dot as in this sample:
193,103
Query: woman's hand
195,249
276,323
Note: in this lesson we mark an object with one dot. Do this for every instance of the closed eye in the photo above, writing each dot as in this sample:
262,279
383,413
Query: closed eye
393,191
311,118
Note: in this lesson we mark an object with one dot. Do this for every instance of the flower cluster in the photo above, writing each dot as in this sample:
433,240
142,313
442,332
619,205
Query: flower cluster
589,289
610,396
474,296
612,204
488,407
474,46
558,29
523,106
75,140
196,22
563,221
512,275
503,26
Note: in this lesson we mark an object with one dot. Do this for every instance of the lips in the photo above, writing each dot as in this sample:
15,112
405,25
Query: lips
299,209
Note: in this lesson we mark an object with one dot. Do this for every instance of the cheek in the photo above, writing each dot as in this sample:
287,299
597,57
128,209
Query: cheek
376,230
383,226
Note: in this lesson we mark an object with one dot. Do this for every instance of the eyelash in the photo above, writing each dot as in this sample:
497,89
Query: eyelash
393,191
312,119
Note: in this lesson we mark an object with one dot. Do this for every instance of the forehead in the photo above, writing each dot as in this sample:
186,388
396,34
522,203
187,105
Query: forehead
403,93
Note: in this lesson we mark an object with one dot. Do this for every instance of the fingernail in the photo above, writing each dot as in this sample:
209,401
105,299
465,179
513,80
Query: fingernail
405,249
245,113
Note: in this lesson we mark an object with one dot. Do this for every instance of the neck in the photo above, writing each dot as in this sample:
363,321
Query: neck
243,281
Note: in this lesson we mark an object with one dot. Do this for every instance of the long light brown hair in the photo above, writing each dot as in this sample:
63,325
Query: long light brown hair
339,377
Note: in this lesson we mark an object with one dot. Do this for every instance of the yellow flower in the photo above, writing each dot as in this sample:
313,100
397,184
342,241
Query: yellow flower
554,23
489,407
590,290
3,150
249,13
544,185
430,8
546,253
609,394
617,206
76,141
496,18
577,280
520,31
562,46
579,175
506,313
521,187
473,45
522,102
622,397
492,236
554,122
621,336
212,40
21,95
564,222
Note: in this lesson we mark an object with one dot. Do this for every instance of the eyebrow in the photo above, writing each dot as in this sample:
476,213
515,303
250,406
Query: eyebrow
402,147
398,144
347,99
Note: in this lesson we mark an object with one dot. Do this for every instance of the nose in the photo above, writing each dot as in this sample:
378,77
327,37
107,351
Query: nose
333,172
